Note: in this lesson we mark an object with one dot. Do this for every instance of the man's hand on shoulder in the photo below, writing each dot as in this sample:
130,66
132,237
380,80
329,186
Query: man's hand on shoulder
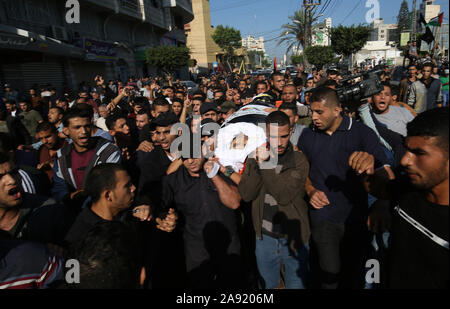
362,163
145,146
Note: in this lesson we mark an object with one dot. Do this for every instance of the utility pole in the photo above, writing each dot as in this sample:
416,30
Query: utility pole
414,21
309,7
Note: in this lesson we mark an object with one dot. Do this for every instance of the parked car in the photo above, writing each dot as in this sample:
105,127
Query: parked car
266,73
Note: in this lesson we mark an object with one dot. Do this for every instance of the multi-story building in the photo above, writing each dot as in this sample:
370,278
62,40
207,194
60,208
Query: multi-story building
382,32
252,43
38,45
428,10
321,33
380,45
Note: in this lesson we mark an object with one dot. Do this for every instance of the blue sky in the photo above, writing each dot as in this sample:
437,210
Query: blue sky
265,17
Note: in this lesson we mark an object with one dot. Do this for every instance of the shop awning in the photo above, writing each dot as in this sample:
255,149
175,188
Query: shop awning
19,39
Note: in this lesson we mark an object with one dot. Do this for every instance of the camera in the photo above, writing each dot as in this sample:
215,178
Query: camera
350,94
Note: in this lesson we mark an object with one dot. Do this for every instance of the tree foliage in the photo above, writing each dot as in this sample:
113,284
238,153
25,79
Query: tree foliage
266,63
403,18
168,58
296,59
319,55
348,40
228,39
254,56
294,33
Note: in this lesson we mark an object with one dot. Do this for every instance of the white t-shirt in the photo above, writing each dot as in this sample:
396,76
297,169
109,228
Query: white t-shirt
145,93
396,119
101,123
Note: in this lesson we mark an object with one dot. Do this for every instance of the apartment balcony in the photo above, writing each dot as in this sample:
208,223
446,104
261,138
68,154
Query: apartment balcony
106,5
182,8
130,8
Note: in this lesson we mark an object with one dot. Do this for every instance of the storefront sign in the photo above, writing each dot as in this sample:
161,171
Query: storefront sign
98,50
6,39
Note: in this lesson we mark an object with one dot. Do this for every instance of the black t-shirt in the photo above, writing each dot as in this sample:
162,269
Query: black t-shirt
416,261
85,221
208,225
153,167
43,220
275,96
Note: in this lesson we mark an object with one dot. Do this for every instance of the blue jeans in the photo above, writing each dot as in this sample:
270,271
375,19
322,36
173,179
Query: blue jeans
445,98
271,252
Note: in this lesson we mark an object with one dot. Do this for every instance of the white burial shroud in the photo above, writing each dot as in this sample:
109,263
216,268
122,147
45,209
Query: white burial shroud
234,156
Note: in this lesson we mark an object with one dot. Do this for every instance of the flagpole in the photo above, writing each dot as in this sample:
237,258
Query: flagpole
436,38
430,48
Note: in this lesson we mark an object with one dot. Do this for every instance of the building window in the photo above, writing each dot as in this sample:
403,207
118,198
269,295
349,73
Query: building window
178,22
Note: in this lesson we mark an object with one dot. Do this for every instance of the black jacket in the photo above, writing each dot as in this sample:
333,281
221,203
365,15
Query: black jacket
18,132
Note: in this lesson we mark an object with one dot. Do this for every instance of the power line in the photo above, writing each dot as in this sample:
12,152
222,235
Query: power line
236,5
324,7
265,32
334,7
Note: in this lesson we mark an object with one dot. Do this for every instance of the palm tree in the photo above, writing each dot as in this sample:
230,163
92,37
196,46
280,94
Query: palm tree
295,33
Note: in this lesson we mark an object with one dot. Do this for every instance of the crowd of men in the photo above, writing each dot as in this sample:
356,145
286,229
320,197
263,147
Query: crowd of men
92,177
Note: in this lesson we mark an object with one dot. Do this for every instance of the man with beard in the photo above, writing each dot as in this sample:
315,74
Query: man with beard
205,201
112,193
260,87
28,216
420,226
55,116
426,164
433,85
279,211
47,134
425,93
153,165
227,109
75,160
243,89
277,83
406,82
166,259
336,193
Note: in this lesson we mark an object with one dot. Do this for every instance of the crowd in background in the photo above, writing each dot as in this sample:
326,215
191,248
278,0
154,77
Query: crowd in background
89,174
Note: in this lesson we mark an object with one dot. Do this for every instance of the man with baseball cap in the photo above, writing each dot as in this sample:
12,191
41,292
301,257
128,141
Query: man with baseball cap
10,94
226,110
209,110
